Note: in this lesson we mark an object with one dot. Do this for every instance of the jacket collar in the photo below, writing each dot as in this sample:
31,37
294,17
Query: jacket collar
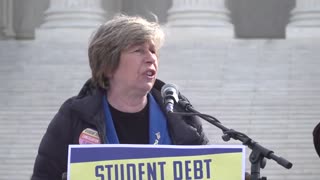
89,102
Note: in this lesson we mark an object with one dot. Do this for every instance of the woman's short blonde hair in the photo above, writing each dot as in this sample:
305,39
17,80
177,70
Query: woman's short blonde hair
113,37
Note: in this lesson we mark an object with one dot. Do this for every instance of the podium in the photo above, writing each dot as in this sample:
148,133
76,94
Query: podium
156,162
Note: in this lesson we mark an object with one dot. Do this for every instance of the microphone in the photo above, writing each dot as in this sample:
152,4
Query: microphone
169,93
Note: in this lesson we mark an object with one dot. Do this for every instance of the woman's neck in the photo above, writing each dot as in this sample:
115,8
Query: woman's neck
126,101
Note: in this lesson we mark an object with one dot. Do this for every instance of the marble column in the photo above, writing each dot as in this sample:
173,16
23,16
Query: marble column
7,19
204,14
305,20
71,16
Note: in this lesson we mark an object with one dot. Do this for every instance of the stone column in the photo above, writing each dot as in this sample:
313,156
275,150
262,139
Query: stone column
72,17
204,14
305,19
7,19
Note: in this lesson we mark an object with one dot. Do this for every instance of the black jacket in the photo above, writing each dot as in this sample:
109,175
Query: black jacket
316,139
86,111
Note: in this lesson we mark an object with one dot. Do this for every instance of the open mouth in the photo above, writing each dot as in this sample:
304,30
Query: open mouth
151,73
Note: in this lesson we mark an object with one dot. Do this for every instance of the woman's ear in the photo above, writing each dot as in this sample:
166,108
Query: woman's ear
108,75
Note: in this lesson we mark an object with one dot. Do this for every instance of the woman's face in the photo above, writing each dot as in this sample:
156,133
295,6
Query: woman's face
137,68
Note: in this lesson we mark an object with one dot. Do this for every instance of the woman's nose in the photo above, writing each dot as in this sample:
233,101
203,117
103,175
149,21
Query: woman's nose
151,57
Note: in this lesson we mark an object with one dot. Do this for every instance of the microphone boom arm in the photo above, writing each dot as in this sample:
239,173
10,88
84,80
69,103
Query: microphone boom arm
258,154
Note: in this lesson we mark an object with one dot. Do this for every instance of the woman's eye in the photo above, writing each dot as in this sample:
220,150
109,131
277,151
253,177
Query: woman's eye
153,51
139,50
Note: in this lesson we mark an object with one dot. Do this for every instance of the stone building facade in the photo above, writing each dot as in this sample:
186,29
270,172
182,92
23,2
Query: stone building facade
251,18
252,64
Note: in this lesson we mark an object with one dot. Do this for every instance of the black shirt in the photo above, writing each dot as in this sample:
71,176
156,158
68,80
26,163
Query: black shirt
131,128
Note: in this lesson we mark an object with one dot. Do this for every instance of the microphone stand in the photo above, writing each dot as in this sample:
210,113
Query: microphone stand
258,153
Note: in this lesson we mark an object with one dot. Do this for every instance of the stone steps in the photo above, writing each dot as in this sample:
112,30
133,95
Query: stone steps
268,89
